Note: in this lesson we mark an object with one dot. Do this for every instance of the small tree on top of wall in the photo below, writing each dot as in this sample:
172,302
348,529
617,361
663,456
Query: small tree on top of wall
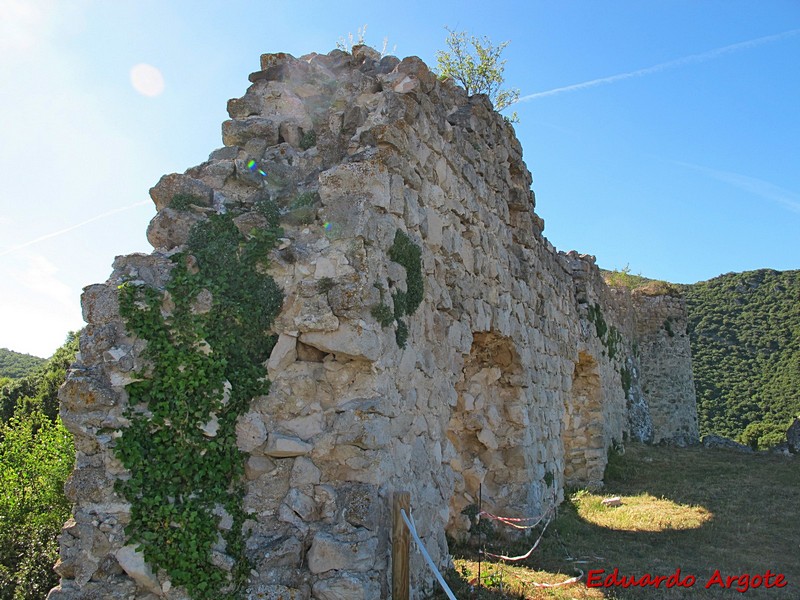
478,69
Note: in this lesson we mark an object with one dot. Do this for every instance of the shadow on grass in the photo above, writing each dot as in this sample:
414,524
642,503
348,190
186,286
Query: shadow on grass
691,510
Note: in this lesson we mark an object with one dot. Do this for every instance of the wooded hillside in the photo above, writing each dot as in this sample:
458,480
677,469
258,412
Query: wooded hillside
14,364
745,336
36,456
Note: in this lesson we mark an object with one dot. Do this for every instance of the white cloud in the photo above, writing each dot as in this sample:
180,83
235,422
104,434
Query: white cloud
22,23
37,308
672,64
39,277
65,162
27,24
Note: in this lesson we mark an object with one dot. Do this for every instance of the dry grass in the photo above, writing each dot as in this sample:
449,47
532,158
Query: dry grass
691,509
642,512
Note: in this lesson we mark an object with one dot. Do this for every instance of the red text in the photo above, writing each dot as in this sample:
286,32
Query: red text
745,581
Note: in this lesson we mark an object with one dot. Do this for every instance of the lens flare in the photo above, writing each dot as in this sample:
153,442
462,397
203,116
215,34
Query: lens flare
147,80
332,230
253,166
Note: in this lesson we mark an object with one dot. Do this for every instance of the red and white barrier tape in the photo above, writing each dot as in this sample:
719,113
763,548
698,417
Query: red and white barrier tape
575,579
524,556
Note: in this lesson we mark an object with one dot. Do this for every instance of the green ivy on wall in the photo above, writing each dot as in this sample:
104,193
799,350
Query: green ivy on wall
406,253
613,341
596,317
611,338
626,377
207,337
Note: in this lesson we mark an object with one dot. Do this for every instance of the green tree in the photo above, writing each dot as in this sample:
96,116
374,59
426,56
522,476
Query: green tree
36,456
475,64
39,390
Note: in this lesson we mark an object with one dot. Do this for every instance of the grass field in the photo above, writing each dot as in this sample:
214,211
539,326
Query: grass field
692,509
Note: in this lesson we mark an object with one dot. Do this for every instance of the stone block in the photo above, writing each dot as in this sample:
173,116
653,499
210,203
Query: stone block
366,182
329,554
345,587
170,228
176,184
251,431
301,504
304,472
291,133
83,394
307,426
285,551
100,303
283,446
257,465
347,340
132,562
237,132
87,485
362,506
283,354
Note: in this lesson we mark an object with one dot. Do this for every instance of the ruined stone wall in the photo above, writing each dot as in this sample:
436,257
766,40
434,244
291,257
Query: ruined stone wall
666,366
513,376
606,406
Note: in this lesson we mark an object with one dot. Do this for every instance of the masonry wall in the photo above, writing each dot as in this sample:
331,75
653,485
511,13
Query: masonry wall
666,364
520,368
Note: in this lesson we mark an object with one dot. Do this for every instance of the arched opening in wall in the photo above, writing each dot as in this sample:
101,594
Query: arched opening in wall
490,432
584,443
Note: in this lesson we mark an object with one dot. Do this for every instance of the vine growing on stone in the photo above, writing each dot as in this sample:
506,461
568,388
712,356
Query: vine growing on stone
207,337
406,253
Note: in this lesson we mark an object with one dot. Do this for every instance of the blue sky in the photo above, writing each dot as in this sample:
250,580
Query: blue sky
662,135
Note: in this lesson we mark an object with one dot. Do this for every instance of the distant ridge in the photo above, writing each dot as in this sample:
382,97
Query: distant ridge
16,365
745,336
744,330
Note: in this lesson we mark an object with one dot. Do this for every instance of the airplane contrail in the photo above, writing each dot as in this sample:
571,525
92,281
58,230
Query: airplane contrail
769,191
72,227
671,64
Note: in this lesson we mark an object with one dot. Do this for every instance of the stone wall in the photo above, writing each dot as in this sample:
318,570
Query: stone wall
666,366
519,371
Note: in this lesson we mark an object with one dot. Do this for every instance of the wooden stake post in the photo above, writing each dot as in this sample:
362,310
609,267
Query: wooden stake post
400,544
